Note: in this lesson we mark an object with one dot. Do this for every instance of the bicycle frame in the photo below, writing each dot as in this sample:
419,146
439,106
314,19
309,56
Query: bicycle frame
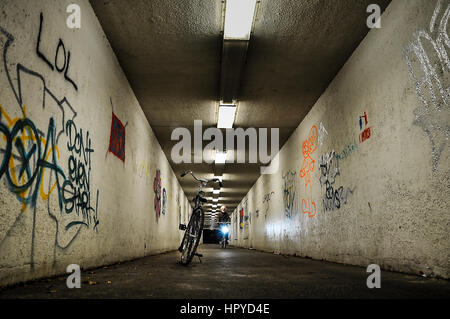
194,228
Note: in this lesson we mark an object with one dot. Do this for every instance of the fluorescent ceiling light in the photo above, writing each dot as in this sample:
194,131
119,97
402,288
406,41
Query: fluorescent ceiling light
214,206
238,19
219,177
216,191
226,116
215,199
221,157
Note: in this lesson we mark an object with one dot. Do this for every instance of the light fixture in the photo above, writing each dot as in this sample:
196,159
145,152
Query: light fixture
227,112
238,19
216,191
218,177
215,200
221,157
214,206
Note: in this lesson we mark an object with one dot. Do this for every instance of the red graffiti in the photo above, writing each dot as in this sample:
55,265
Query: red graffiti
117,138
309,146
241,218
365,134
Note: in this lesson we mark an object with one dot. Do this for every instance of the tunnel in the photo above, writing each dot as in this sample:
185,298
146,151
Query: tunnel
231,153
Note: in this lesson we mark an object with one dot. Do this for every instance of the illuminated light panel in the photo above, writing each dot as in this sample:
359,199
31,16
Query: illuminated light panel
226,116
221,157
239,19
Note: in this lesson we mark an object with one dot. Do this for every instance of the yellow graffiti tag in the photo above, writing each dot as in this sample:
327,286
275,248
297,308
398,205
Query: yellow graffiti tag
27,135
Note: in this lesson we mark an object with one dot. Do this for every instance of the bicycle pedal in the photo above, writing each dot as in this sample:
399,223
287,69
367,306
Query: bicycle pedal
182,227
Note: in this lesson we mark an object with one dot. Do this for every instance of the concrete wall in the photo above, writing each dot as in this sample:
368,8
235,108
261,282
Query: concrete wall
378,193
64,197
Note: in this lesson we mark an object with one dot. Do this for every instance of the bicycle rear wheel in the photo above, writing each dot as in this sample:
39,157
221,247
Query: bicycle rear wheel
192,236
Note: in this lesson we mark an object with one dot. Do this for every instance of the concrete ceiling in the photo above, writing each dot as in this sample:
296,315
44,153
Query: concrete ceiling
170,51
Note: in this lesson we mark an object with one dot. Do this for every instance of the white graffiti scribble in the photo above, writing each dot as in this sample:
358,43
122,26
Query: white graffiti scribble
266,200
322,132
290,200
429,65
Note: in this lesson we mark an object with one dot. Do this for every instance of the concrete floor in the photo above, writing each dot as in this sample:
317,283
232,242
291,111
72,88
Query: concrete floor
231,273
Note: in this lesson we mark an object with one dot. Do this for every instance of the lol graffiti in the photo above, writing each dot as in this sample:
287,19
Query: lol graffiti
365,134
290,202
334,197
45,157
60,49
157,191
428,64
309,146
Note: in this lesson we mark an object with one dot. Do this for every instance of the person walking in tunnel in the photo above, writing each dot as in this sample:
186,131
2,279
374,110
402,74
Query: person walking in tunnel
224,217
224,221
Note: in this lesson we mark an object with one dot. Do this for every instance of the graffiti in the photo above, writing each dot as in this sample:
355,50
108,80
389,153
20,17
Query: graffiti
164,201
365,134
347,151
309,146
428,65
117,138
66,56
322,133
179,208
157,190
76,187
329,168
289,193
241,218
31,152
266,200
144,169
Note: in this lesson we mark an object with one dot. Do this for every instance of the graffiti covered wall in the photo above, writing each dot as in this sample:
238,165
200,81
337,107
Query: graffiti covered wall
63,199
371,158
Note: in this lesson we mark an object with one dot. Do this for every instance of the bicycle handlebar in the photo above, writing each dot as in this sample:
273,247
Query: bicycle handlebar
202,180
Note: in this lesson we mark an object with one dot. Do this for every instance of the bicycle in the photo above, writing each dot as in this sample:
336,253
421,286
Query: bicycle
193,231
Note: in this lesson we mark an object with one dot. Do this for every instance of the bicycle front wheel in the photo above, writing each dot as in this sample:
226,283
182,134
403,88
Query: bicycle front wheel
192,236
